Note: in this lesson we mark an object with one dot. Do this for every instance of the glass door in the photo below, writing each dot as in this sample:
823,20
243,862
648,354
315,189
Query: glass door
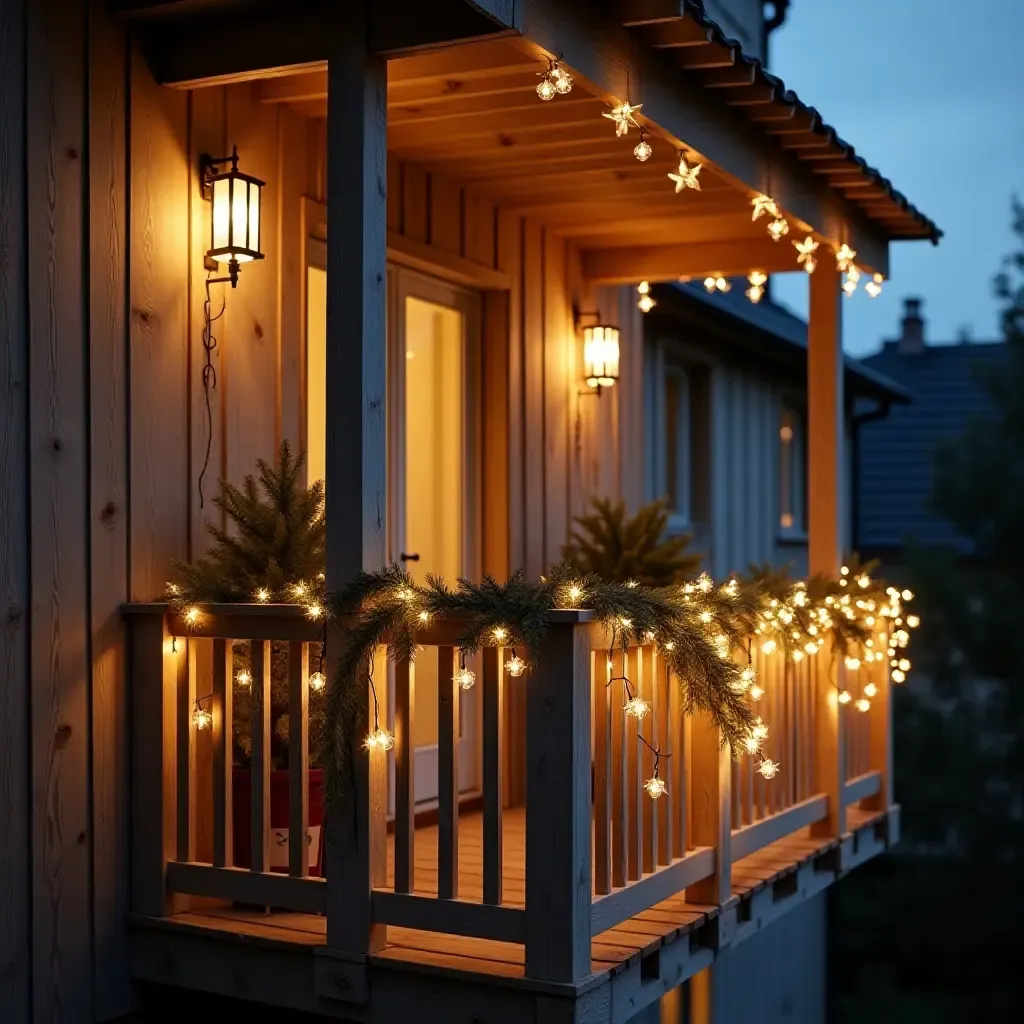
432,340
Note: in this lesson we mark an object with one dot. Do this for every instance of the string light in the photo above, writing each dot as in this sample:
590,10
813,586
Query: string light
870,690
863,705
844,697
173,589
515,666
685,176
844,258
756,692
643,148
299,590
758,279
655,787
624,117
317,682
201,717
465,677
263,595
637,707
244,678
314,611
575,593
193,615
778,228
805,254
874,286
852,280
646,301
768,768
499,634
715,283
762,205
554,81
424,617
379,739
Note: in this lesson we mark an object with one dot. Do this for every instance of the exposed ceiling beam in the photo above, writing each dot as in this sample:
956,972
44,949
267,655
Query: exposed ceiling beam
737,258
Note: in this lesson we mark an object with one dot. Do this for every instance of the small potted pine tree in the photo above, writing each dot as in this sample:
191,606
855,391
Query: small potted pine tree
274,539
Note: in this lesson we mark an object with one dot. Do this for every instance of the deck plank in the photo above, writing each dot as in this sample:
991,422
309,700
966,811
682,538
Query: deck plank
612,951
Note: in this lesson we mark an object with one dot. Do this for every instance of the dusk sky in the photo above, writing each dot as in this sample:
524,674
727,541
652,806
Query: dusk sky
929,92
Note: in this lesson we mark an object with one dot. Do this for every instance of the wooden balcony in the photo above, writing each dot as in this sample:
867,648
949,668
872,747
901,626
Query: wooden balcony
593,894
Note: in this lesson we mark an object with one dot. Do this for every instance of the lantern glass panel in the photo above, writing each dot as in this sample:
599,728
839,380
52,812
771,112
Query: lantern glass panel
221,218
240,220
254,216
601,355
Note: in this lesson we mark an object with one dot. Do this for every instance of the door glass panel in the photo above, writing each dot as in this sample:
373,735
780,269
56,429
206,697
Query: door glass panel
434,491
316,373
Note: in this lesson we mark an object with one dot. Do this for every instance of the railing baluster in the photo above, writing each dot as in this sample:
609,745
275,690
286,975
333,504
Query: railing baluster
259,723
748,792
186,752
663,705
493,765
223,716
677,765
710,816
447,775
881,736
790,717
620,776
645,660
405,775
634,834
298,759
602,772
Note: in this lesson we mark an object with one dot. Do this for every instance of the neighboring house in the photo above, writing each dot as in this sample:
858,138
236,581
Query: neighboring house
897,454
431,244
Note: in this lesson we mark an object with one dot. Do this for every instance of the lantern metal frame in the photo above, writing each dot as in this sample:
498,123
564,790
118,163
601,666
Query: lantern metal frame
214,169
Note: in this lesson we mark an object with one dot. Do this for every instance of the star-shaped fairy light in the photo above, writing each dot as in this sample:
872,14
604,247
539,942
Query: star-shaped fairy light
758,279
768,768
763,204
805,251
874,286
778,228
623,116
844,258
686,176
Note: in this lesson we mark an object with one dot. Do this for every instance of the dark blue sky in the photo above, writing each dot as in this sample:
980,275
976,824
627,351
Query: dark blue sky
930,92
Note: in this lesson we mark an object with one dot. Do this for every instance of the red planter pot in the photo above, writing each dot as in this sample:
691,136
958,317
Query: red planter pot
280,801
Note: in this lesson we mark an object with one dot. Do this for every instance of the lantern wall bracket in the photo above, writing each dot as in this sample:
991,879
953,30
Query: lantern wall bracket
210,166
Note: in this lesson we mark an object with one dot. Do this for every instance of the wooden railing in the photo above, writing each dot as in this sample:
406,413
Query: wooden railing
596,848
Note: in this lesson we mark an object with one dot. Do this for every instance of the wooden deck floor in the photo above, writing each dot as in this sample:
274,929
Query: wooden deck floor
612,951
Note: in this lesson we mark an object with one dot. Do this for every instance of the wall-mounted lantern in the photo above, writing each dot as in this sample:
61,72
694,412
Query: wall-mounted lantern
235,200
600,352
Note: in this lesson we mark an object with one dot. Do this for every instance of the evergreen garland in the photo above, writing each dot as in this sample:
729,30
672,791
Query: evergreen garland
698,627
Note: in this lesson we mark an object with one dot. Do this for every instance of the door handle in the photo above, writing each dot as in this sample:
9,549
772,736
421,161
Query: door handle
409,558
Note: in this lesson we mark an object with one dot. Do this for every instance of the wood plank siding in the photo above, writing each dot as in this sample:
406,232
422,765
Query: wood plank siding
104,428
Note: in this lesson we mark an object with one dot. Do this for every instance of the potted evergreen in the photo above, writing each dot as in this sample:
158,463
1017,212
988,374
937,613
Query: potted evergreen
274,539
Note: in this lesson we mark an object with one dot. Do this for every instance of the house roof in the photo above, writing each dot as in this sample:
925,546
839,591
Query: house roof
896,454
771,333
700,46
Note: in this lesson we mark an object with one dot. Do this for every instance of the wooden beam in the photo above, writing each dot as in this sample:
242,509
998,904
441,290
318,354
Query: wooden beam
356,445
825,490
189,51
609,60
558,836
629,264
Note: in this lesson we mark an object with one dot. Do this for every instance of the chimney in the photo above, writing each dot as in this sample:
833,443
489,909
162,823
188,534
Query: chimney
911,339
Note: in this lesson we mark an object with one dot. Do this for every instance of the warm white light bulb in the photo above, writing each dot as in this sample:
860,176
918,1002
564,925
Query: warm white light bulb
778,228
201,718
637,707
863,705
874,286
562,80
756,693
844,697
870,690
500,633
655,787
546,89
193,615
244,678
768,768
465,677
263,595
314,611
317,681
515,666
379,739
643,150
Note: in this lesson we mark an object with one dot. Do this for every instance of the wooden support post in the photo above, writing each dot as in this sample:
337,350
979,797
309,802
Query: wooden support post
711,769
825,423
558,863
153,674
356,454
